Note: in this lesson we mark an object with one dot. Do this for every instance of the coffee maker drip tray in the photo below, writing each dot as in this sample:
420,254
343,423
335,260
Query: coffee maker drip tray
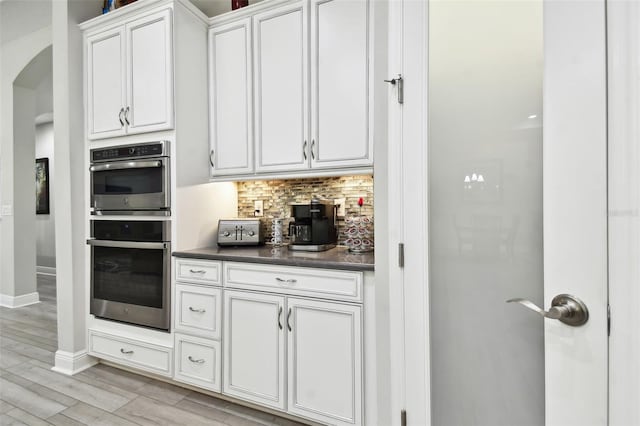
311,247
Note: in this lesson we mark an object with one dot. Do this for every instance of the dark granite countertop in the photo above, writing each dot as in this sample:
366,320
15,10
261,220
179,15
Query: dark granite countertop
336,258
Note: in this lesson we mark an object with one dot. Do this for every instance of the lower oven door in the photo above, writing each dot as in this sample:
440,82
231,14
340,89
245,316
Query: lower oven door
130,282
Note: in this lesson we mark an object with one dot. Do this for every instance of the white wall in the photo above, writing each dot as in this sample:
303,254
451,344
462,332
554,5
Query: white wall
23,17
217,7
24,203
45,223
44,95
624,211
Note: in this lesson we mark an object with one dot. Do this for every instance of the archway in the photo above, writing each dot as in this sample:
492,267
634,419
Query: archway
29,65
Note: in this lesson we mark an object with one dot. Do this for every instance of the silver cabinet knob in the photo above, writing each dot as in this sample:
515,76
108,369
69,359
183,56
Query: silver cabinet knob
564,307
226,233
251,233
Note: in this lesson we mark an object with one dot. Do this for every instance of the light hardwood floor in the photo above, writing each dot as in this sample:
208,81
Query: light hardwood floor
32,394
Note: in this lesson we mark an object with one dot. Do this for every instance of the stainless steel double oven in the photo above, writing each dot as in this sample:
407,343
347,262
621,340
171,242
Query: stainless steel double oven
131,258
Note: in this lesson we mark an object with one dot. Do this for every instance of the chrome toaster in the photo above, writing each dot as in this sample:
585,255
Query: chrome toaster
240,232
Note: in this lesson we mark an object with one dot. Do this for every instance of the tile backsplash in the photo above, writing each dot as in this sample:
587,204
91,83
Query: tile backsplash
278,194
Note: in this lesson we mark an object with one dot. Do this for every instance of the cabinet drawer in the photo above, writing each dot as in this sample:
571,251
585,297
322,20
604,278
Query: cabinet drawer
198,362
323,283
145,356
198,271
198,310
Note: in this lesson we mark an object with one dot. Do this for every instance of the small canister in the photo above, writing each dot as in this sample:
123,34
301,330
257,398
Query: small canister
277,232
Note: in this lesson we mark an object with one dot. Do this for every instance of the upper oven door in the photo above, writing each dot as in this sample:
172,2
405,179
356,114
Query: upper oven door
130,185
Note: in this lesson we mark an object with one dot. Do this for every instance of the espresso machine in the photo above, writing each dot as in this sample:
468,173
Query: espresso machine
313,227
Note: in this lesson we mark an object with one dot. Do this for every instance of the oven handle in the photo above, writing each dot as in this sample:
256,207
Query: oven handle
125,165
126,244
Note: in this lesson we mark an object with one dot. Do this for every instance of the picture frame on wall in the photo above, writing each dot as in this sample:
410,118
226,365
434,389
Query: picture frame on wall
42,186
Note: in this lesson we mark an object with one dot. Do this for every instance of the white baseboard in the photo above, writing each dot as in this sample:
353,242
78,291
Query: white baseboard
46,270
19,301
71,363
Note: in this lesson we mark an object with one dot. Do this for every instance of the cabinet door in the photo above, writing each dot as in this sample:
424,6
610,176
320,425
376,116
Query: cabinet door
150,73
230,105
105,84
254,347
340,107
281,87
325,361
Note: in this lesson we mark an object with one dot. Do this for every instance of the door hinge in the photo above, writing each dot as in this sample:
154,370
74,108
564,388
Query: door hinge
399,82
401,255
403,418
608,320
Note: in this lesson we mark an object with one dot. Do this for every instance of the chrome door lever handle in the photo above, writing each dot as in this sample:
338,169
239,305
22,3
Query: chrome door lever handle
564,307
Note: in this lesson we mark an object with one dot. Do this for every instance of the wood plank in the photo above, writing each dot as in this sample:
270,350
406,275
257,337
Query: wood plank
90,415
27,400
27,350
6,420
62,420
26,418
5,406
146,411
164,392
114,376
9,358
92,395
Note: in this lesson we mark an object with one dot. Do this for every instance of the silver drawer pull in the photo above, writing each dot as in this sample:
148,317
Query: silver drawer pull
125,352
197,271
195,361
200,311
289,281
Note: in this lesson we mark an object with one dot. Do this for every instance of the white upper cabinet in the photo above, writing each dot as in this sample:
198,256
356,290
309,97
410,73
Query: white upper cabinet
281,89
130,77
105,84
149,74
340,108
312,110
231,106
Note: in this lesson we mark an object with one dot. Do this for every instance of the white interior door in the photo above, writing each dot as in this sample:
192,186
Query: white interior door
515,197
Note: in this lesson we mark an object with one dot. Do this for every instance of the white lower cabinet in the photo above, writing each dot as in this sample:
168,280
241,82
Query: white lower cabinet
133,353
324,353
254,347
296,348
198,361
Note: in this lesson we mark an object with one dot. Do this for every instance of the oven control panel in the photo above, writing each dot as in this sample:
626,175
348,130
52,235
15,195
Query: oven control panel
240,232
151,149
